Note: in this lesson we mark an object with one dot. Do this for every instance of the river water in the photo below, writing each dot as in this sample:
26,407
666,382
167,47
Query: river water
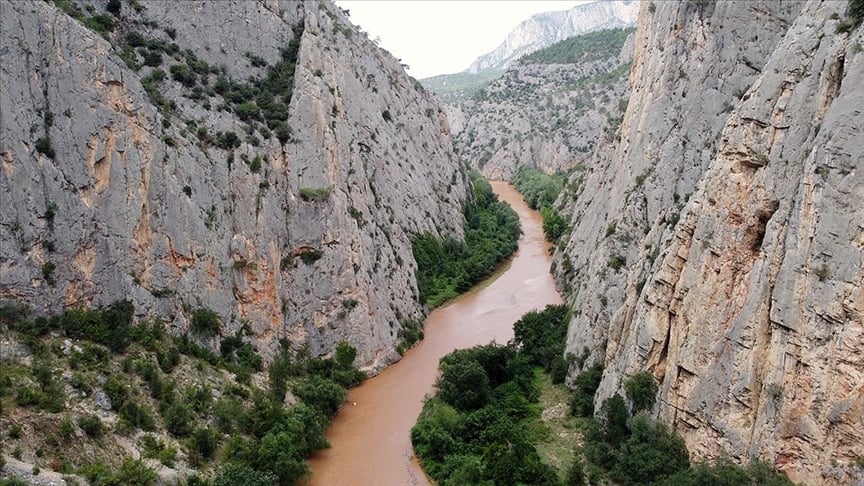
371,436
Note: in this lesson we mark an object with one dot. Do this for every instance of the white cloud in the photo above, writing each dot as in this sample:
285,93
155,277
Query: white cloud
442,37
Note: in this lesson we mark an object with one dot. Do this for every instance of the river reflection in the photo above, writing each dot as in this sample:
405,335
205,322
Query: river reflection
370,438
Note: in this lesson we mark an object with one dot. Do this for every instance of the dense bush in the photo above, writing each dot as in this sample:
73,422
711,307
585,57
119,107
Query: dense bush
322,394
584,387
43,146
91,425
640,450
652,451
204,322
542,335
540,190
641,391
238,474
446,268
269,440
481,434
110,325
726,473
554,226
177,418
464,385
854,17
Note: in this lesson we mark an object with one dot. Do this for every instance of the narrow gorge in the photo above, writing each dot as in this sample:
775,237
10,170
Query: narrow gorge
225,227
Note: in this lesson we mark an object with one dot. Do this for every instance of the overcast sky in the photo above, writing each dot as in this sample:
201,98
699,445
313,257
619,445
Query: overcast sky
443,36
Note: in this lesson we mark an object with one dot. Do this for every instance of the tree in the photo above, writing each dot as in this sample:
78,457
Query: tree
585,386
321,394
651,452
464,384
177,419
613,416
553,224
278,452
641,391
542,335
236,474
345,355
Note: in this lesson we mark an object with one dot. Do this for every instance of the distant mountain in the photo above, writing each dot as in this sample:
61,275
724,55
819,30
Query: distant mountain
540,31
548,110
547,28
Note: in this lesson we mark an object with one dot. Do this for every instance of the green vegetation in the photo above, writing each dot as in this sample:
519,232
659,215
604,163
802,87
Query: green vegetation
446,268
460,86
269,441
311,256
639,450
540,190
641,391
410,333
43,146
103,24
854,17
315,193
554,226
205,322
541,336
583,48
616,262
482,425
584,387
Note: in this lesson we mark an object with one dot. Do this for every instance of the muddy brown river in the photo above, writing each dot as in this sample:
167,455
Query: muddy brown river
371,436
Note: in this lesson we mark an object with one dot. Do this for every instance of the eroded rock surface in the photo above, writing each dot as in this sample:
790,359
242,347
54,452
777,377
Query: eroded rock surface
307,239
542,115
720,243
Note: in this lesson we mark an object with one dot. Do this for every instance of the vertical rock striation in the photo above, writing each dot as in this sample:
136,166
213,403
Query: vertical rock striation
719,244
133,196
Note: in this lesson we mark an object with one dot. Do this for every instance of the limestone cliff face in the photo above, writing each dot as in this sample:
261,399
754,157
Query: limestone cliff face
746,298
547,28
542,115
306,239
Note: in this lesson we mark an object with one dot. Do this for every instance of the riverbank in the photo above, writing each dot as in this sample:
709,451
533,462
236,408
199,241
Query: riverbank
370,438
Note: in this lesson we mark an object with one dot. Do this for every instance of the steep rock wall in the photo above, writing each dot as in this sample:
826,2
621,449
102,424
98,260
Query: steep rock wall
687,75
747,305
134,205
542,115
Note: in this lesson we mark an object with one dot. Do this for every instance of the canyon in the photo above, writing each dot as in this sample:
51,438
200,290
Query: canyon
266,161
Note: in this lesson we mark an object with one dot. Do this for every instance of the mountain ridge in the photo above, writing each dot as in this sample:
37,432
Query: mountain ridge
544,29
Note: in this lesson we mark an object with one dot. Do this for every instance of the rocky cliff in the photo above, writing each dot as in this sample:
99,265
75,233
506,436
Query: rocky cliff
261,159
547,28
718,245
546,112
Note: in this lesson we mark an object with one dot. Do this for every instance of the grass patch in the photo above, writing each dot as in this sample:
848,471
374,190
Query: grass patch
556,449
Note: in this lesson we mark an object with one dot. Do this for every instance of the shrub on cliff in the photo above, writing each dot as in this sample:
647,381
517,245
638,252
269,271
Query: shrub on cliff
641,391
204,322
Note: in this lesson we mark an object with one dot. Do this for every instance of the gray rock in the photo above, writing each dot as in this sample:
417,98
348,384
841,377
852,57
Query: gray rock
547,28
101,400
548,116
133,205
734,197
